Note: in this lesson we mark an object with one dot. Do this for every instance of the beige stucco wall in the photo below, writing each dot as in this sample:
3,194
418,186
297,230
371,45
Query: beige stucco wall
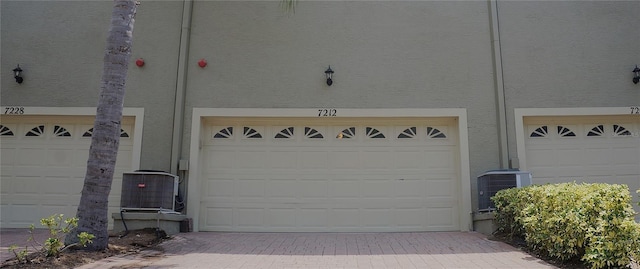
568,54
385,54
60,46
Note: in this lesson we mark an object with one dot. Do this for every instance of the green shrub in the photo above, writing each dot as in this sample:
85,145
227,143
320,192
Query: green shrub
509,205
593,222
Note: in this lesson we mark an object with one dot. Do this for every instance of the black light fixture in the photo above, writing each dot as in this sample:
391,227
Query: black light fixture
17,72
636,75
329,73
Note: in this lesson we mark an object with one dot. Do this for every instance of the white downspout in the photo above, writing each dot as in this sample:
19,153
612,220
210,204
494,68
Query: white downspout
499,85
178,109
181,87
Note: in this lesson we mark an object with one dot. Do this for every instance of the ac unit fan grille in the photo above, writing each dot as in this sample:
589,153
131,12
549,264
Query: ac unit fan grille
148,191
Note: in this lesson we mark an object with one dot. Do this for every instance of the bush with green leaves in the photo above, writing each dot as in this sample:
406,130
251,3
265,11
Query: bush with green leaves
593,222
52,246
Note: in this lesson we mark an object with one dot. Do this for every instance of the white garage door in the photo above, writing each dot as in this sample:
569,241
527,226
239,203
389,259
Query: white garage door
343,175
44,160
584,149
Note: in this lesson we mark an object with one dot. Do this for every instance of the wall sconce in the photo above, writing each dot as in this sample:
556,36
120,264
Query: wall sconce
636,75
17,74
329,73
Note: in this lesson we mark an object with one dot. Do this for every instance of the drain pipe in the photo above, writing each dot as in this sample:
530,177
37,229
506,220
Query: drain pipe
499,85
181,87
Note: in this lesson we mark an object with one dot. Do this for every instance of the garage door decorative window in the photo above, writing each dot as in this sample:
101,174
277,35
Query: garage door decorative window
224,133
620,131
565,132
596,131
374,133
347,133
89,133
540,132
285,133
312,133
5,131
408,133
36,131
435,133
61,131
251,133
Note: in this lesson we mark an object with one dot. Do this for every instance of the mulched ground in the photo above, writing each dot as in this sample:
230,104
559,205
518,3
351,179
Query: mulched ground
134,242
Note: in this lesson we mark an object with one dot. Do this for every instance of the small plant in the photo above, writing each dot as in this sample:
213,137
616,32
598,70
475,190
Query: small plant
53,245
20,255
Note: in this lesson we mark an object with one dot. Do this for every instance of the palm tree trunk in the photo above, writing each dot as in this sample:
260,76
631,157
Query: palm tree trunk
92,210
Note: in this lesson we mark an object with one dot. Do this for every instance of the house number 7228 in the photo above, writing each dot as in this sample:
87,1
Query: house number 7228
14,110
332,112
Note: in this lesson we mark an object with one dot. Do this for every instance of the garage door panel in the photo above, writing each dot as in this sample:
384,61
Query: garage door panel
380,218
344,217
626,155
281,188
7,155
282,159
441,217
313,218
44,174
313,160
281,217
345,188
377,159
223,158
23,185
602,153
411,217
409,159
223,187
345,159
312,188
252,188
410,188
439,159
30,157
327,178
249,217
439,188
217,217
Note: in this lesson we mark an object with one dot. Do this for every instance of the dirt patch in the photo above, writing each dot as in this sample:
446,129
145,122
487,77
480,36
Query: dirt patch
133,242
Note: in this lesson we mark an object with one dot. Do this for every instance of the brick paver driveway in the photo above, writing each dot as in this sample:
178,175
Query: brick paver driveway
328,250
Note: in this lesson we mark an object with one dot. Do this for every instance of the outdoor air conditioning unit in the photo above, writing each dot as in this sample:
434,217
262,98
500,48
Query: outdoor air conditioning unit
148,190
491,182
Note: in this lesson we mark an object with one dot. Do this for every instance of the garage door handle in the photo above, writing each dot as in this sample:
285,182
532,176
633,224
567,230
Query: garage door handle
400,178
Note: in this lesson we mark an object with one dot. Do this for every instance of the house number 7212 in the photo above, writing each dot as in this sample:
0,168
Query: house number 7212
327,112
635,109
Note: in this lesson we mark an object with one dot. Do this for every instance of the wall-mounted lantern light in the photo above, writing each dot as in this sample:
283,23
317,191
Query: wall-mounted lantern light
636,75
17,74
329,74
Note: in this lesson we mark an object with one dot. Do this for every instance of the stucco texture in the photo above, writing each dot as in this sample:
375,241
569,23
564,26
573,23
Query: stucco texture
60,46
385,55
569,54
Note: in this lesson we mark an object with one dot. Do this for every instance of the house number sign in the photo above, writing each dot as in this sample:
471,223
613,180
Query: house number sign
327,112
14,110
635,110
